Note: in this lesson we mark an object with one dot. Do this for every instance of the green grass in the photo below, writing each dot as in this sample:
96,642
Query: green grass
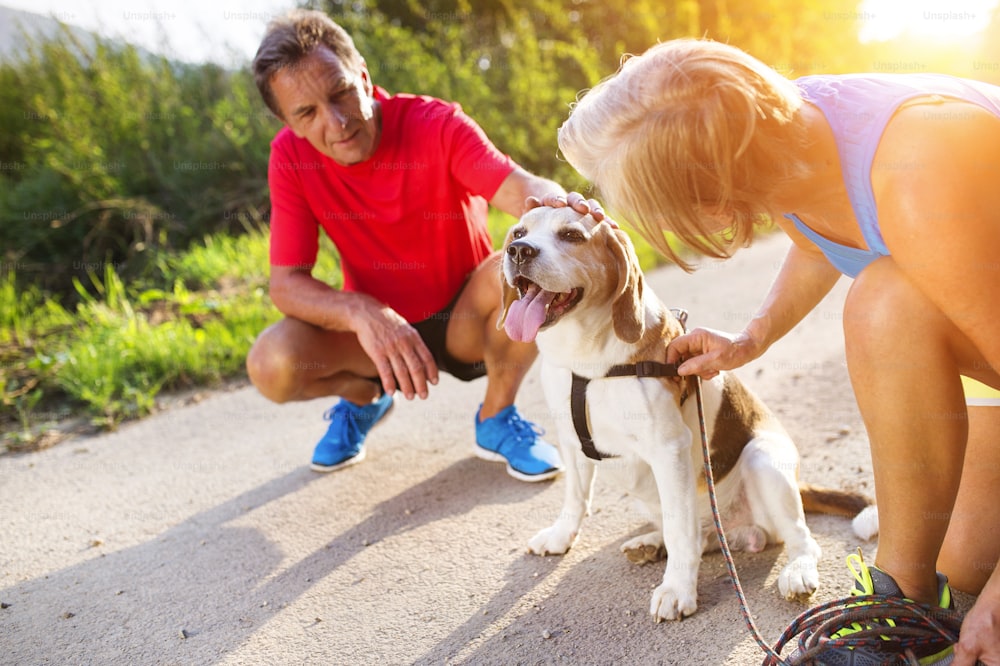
109,357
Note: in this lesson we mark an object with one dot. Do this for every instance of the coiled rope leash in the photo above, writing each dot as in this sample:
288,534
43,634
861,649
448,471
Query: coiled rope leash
916,624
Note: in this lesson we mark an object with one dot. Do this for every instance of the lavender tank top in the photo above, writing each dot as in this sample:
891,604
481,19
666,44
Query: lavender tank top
858,107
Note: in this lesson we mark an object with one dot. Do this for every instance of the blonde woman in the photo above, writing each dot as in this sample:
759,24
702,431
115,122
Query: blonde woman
890,179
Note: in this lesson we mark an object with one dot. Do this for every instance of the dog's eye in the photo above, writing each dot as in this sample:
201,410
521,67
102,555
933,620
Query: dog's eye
572,236
517,233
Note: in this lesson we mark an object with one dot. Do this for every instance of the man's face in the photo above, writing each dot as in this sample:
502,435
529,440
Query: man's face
329,105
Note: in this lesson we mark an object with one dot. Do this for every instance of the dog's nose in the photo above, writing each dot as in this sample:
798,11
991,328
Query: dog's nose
521,251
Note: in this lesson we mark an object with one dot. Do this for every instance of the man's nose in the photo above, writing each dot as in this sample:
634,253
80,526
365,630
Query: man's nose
336,117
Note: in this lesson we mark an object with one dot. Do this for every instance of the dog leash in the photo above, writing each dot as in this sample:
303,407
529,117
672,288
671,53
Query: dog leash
772,655
915,623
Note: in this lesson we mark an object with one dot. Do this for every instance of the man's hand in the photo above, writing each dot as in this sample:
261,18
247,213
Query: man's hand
574,200
708,352
398,352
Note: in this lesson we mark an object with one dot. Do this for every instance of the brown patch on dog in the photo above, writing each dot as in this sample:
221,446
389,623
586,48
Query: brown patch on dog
735,425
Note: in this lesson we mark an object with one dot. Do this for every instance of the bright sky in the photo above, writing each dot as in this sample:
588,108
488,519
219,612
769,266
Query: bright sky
223,31
937,20
228,31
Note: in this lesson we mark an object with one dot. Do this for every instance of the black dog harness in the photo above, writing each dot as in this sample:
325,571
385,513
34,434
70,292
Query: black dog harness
578,390
578,397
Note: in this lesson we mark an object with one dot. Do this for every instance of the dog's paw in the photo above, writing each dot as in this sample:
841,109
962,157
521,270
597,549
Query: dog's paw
799,579
553,540
672,603
645,548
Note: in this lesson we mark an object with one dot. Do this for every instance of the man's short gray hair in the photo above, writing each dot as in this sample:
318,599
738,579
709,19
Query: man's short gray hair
293,36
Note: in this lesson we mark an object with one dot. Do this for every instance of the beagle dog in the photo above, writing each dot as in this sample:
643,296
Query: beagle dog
574,287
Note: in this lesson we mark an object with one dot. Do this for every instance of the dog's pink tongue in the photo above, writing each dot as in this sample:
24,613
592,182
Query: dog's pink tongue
527,314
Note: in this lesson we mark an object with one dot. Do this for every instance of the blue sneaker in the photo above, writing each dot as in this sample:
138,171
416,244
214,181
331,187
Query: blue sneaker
343,443
508,438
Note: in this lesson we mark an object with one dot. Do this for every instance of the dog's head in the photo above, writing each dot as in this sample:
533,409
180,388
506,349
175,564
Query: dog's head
557,262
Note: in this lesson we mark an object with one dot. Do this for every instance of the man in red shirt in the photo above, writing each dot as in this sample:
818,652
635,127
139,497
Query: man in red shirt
400,184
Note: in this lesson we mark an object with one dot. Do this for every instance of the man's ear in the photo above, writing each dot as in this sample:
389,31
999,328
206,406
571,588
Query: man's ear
366,78
627,315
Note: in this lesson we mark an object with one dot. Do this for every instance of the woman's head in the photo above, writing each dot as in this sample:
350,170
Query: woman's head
689,137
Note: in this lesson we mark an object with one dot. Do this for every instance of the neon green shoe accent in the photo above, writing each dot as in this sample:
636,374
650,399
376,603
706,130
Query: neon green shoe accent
867,585
864,586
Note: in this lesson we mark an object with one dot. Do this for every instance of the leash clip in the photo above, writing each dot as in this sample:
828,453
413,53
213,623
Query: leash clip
682,317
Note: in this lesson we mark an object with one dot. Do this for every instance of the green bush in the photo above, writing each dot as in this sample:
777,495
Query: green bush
113,154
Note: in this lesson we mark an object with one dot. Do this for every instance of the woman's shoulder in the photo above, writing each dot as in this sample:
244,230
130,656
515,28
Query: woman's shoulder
936,155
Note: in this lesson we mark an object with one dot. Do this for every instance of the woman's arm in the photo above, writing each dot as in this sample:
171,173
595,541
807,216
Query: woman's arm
804,279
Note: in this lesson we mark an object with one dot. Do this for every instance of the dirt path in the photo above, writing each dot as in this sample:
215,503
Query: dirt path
200,536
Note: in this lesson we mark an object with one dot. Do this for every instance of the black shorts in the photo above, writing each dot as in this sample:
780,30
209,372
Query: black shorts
433,331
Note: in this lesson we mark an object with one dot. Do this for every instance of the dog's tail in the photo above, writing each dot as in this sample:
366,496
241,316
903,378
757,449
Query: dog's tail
861,509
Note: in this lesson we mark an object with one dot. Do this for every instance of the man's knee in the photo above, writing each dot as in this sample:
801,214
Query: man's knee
269,367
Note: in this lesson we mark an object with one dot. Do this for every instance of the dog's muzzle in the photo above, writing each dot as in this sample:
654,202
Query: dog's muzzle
521,252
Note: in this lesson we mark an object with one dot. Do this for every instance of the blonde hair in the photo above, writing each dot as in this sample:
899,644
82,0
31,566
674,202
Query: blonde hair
689,123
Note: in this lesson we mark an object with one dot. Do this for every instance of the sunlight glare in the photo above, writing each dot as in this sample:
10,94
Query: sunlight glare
928,19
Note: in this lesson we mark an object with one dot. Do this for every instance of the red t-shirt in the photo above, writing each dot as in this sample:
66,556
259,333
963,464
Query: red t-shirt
410,222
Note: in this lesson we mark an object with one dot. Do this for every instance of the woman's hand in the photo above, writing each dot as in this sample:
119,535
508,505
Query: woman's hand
706,352
980,636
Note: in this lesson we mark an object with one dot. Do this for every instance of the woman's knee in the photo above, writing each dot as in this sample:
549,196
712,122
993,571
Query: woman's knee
884,307
876,297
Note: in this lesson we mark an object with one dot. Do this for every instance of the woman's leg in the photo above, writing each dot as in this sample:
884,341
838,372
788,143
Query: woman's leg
904,358
972,544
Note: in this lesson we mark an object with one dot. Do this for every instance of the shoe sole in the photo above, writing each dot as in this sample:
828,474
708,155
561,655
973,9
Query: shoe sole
316,467
354,460
493,456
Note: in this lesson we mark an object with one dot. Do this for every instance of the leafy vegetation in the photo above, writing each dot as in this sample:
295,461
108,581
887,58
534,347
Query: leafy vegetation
112,156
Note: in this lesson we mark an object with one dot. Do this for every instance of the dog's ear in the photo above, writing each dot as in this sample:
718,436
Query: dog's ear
627,315
508,293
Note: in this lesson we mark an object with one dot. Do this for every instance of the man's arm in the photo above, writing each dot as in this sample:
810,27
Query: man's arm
296,293
394,346
519,184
